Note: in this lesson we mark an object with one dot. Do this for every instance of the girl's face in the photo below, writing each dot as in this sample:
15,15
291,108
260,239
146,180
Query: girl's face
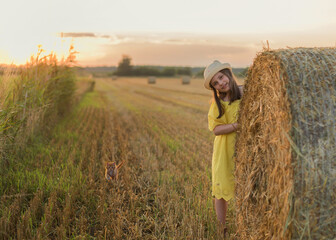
220,82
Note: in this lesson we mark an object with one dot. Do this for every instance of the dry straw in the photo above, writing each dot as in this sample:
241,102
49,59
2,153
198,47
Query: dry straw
285,162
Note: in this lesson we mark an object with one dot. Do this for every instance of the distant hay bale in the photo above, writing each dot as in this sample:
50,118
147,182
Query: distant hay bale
114,78
151,80
186,80
285,160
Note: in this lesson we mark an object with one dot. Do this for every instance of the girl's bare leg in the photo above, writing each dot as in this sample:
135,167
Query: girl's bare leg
221,208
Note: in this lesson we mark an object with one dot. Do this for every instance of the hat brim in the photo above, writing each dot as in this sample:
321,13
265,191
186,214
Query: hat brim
213,72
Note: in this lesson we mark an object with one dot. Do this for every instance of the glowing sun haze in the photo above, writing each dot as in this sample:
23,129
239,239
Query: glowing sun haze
156,32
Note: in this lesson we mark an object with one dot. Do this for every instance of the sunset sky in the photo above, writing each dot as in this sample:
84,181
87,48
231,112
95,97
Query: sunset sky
170,32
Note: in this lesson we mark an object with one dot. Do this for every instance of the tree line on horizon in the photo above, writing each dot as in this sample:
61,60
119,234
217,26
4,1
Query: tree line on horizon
125,68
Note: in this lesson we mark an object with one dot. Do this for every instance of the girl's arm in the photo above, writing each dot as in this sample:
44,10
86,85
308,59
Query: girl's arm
225,129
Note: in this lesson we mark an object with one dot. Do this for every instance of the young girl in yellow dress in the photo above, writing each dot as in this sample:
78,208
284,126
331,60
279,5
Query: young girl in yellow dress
222,120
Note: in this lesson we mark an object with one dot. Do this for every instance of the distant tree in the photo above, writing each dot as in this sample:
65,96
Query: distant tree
146,71
168,71
124,67
184,71
242,72
199,74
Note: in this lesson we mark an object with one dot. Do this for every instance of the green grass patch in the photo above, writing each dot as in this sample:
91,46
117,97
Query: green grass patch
44,163
91,99
172,144
49,165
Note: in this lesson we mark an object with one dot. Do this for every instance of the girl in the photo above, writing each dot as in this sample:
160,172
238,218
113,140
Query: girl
222,120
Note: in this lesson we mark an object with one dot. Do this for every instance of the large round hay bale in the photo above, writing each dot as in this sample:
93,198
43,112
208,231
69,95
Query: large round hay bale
285,152
151,80
185,80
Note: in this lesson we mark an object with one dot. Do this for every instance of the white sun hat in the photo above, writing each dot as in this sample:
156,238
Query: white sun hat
212,69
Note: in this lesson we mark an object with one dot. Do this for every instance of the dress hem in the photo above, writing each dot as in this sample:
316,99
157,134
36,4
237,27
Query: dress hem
220,196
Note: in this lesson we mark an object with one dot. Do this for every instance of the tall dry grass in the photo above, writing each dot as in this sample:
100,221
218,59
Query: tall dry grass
33,97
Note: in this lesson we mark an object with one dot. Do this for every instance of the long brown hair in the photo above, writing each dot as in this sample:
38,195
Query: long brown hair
234,92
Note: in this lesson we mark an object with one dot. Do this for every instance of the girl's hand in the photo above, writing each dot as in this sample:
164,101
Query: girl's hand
235,125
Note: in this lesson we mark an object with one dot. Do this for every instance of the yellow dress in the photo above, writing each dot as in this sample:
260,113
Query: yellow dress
223,151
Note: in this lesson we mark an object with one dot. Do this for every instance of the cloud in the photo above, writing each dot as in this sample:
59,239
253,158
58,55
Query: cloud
113,38
195,49
191,54
77,34
188,49
176,49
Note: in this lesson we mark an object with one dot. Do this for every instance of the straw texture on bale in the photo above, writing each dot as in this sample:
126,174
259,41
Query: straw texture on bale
186,80
151,80
285,152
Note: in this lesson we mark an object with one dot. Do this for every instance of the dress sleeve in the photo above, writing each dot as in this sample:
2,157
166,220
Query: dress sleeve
212,117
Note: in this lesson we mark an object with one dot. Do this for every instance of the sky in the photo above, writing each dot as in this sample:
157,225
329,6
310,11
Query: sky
156,32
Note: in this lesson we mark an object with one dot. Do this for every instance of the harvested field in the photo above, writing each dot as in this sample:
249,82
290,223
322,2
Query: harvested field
56,187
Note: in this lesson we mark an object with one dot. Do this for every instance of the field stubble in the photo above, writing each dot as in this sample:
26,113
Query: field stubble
163,189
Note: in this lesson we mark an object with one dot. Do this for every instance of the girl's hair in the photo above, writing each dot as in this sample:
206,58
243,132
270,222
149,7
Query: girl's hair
234,92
